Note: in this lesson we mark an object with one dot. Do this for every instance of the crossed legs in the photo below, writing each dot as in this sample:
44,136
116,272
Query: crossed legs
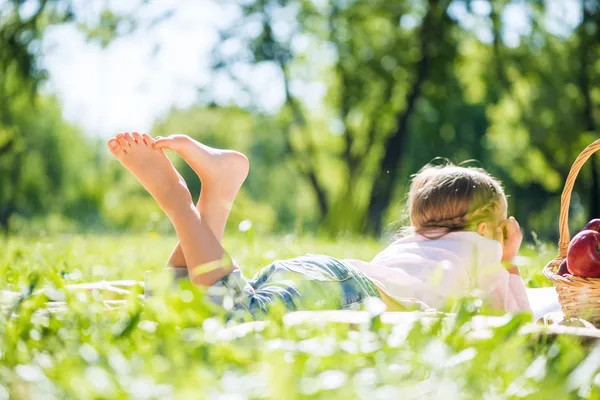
222,173
199,228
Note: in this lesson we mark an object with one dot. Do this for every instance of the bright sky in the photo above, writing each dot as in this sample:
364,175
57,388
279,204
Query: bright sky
130,84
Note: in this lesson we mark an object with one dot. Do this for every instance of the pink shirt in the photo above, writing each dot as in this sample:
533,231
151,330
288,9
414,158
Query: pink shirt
453,266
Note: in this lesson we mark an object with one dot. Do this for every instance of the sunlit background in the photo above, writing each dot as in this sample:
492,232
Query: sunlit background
142,74
336,103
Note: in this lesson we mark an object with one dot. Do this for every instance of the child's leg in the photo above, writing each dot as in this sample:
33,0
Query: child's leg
221,172
207,261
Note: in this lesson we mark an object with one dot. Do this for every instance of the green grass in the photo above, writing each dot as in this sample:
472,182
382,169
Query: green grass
170,347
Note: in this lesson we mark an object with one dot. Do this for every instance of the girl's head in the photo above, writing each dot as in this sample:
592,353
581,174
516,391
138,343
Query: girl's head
452,198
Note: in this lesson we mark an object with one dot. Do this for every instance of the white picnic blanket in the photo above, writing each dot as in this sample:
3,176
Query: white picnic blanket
543,301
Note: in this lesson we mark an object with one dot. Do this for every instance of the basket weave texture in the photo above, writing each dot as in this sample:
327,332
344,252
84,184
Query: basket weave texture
578,297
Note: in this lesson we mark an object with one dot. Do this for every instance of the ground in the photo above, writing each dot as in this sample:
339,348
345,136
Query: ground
173,348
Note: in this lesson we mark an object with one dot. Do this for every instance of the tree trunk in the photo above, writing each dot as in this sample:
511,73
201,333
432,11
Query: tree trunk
10,206
383,188
308,169
588,116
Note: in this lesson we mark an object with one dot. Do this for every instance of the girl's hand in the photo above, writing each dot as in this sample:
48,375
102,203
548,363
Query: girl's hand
512,238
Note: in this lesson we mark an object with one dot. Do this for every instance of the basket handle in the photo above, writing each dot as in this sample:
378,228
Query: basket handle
565,236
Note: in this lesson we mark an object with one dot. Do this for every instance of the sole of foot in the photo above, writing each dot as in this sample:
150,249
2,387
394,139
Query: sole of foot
222,170
151,168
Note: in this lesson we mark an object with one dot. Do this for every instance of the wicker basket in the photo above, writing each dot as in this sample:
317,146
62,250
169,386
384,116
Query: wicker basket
579,297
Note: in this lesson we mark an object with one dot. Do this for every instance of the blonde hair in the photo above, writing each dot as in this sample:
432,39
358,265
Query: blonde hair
450,198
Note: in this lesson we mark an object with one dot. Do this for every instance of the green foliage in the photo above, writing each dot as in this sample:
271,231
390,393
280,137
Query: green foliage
20,33
51,167
402,83
374,70
400,94
48,167
175,346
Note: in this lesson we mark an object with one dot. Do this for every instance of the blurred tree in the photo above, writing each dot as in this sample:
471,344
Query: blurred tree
371,91
374,59
543,112
589,76
51,166
19,78
406,82
46,164
21,28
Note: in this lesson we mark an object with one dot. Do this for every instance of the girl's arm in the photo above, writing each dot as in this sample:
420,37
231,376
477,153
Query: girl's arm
512,268
508,292
512,237
519,291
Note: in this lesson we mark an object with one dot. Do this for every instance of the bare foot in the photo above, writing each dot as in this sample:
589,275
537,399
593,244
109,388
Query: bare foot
152,169
221,170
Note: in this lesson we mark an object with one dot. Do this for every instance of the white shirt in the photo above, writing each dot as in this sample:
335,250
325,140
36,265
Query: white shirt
436,270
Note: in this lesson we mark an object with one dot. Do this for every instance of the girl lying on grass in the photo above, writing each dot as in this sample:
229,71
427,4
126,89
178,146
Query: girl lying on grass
460,239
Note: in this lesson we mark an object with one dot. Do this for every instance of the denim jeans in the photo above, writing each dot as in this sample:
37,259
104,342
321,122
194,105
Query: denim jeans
311,282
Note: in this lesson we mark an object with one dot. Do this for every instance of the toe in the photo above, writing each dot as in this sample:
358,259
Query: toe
115,148
172,142
147,138
138,138
129,138
162,142
122,141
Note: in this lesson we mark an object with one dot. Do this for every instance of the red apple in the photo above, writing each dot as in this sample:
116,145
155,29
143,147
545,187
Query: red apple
583,257
563,270
593,225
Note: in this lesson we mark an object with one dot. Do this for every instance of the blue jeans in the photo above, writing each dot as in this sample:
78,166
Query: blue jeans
311,282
